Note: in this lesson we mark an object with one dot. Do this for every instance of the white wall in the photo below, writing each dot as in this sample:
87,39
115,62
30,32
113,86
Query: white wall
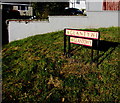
20,30
94,6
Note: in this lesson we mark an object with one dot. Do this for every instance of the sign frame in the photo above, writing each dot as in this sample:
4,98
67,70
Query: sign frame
82,33
68,53
81,41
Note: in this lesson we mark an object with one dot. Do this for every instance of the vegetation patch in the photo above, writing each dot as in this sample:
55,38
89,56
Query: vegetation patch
34,69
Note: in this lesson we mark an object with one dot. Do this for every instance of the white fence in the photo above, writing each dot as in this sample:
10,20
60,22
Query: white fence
19,30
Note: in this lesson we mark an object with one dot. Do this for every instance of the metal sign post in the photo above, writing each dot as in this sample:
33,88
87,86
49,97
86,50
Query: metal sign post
98,47
69,47
92,53
64,42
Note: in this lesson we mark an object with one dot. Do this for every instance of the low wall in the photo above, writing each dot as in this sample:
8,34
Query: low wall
19,30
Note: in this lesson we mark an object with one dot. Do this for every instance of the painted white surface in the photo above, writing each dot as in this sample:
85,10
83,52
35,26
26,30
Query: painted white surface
20,30
94,6
80,4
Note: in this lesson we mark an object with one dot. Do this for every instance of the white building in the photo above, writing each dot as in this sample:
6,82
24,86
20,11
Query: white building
102,5
80,4
25,9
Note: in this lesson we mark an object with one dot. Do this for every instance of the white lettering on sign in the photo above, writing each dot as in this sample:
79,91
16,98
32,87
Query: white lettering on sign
81,41
80,33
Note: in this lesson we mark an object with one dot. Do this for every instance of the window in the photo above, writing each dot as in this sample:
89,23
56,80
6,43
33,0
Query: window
78,2
22,7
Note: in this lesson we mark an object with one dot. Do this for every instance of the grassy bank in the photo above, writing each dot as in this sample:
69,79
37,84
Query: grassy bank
35,70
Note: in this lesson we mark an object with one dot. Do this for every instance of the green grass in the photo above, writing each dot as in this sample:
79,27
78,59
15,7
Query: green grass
35,70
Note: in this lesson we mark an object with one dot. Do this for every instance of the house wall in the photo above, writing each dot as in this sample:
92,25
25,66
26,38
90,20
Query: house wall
15,7
19,30
101,5
94,6
1,7
28,12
